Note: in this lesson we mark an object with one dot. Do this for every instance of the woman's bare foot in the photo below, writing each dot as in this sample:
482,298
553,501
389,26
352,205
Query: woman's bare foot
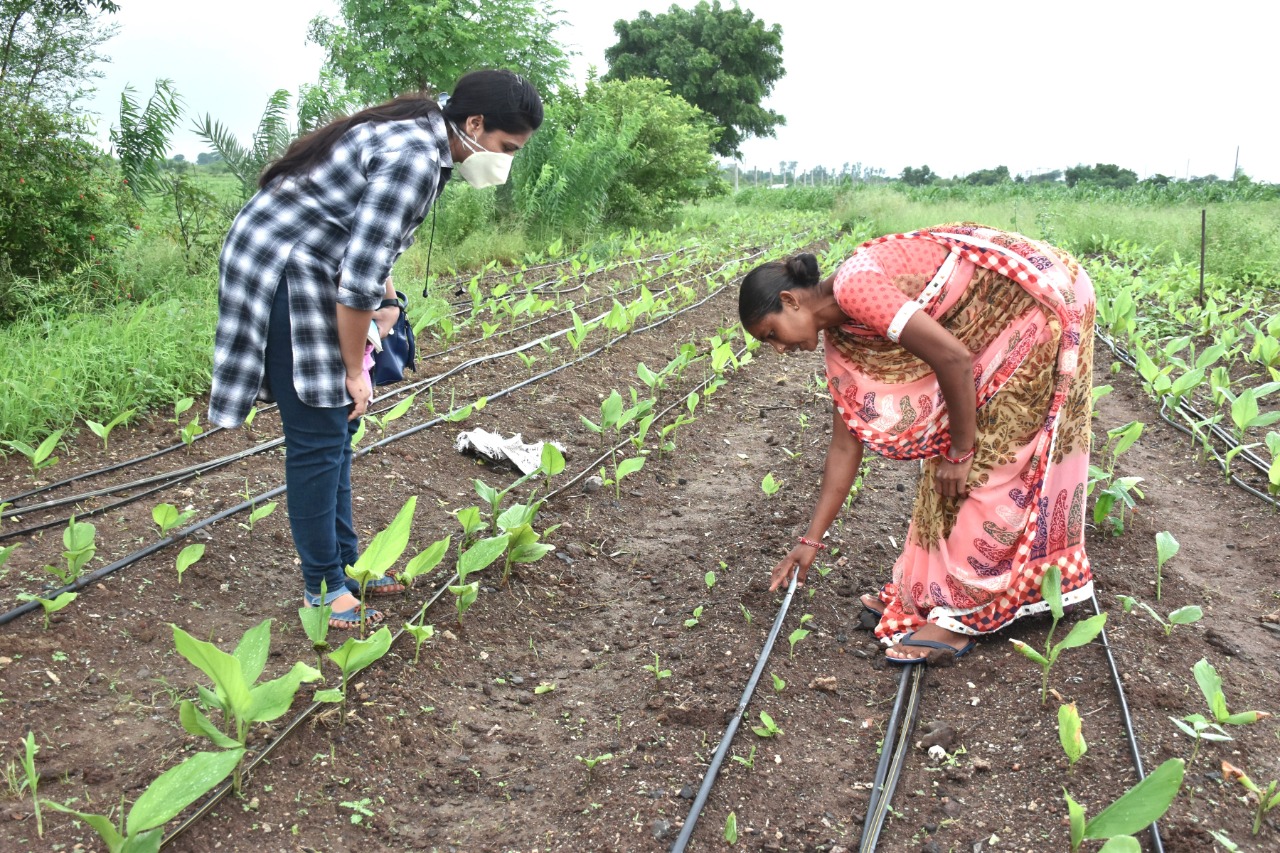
930,632
873,603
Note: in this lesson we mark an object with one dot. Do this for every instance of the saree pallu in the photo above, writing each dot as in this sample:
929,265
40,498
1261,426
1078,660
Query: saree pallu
1025,311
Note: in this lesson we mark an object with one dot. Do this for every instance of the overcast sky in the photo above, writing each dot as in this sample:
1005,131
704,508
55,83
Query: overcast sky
957,86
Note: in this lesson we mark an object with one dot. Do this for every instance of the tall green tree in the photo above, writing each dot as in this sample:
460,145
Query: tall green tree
723,61
48,49
380,49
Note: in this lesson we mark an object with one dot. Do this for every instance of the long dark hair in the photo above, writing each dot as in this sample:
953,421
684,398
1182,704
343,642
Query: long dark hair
506,100
761,290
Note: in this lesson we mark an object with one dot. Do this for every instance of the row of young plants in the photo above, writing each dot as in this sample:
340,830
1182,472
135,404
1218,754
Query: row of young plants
1210,366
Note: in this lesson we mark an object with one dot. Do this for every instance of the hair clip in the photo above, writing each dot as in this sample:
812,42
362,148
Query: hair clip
442,99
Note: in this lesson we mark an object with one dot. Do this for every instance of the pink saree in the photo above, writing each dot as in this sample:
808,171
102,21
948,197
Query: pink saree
1025,310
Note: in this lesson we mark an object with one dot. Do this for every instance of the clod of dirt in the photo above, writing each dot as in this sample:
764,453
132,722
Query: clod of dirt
824,683
1221,643
592,484
938,733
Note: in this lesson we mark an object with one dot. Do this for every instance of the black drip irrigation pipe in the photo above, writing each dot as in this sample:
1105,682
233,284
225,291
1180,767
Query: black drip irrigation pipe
726,740
224,788
1156,842
893,755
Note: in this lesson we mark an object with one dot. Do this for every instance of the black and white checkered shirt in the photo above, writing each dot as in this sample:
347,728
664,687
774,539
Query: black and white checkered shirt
335,233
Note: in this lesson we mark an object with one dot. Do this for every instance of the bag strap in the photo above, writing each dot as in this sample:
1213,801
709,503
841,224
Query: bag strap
426,280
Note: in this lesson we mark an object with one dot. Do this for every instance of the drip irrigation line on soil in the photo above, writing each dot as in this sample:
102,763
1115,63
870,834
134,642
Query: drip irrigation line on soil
1190,413
129,559
893,755
1157,843
726,740
93,577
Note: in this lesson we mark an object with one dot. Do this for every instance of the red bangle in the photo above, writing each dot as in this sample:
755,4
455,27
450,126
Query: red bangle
962,459
805,540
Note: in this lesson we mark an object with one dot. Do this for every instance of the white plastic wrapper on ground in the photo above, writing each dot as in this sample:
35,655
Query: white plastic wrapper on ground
492,446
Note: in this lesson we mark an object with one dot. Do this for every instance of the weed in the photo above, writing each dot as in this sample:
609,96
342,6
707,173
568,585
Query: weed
359,809
656,669
750,761
697,614
767,728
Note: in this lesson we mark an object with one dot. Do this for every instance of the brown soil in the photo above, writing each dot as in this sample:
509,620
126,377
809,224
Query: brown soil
460,752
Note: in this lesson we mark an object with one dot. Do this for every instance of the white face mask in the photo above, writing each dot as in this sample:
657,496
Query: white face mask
482,168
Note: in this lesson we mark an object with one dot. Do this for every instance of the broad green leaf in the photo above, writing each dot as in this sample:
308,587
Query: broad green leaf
1121,844
552,462
331,694
101,824
481,555
1075,817
179,787
387,546
1125,436
1069,733
188,557
1186,615
517,516
252,650
272,699
1051,590
399,410
531,553
354,655
164,515
1141,805
630,466
611,410
225,670
209,699
1166,547
731,829
195,722
46,447
1081,633
426,560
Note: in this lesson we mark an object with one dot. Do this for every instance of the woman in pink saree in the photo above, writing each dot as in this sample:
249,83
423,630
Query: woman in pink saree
970,349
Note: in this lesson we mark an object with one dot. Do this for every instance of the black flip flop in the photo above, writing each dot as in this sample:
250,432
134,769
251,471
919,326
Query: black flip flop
928,644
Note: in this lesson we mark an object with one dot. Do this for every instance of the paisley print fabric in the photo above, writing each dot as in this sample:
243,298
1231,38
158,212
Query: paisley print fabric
1025,311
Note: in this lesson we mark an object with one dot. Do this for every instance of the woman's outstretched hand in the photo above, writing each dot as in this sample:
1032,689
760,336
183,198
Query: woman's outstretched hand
951,480
799,558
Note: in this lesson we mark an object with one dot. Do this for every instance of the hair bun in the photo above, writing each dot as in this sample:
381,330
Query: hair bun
804,269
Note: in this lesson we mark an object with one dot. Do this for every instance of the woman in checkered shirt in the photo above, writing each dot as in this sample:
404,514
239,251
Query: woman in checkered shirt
969,349
307,265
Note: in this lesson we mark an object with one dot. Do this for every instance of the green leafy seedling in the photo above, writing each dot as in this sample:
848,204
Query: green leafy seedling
50,605
476,558
188,557
189,432
352,657
236,692
257,514
315,624
473,524
767,728
731,829
778,684
32,781
420,633
426,561
1187,615
1198,728
104,432
750,761
1268,798
591,763
769,485
693,622
382,552
1140,806
710,580
180,408
1166,548
40,457
1081,633
79,542
358,435
171,792
167,517
544,687
1069,733
656,668
1211,686
796,636
746,614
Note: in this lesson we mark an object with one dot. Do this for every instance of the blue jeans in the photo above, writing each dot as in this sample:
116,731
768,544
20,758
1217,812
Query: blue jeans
317,466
